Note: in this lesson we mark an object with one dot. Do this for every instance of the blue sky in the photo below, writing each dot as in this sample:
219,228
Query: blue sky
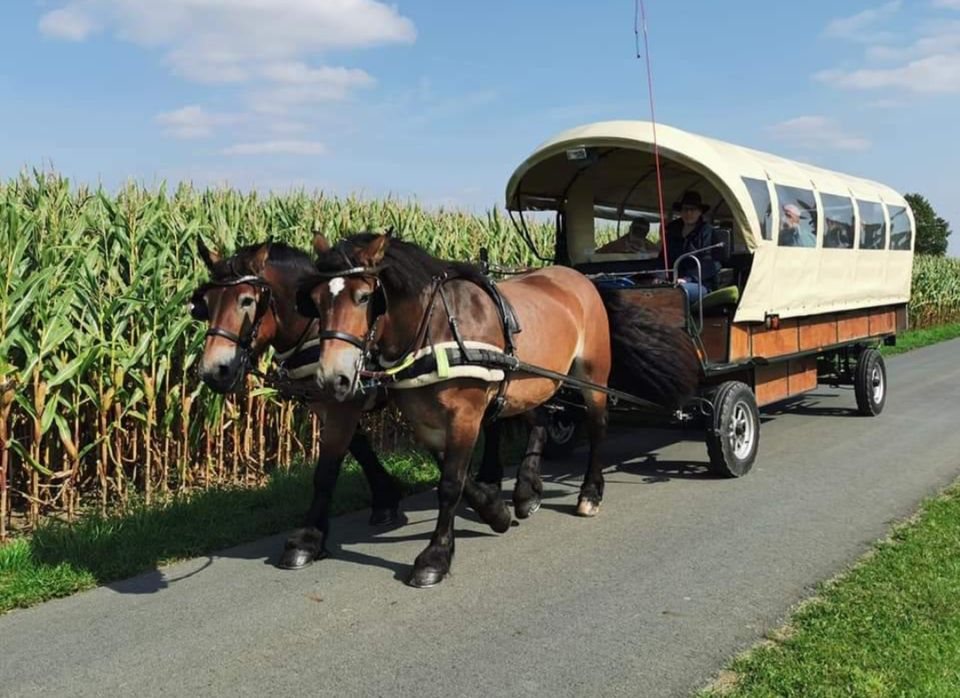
441,100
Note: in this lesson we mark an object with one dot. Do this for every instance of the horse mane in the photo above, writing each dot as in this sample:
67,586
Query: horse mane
290,259
407,268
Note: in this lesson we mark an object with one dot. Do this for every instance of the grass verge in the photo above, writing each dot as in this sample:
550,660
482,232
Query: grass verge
888,627
914,339
59,560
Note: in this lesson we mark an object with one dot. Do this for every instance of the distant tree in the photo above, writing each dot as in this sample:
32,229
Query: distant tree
932,230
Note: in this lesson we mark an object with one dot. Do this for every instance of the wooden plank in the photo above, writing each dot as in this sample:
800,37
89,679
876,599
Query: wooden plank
771,383
803,375
714,338
668,303
739,342
853,326
902,318
883,321
818,331
772,343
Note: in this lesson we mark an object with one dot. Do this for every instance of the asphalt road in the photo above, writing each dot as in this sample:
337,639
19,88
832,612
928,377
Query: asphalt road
678,573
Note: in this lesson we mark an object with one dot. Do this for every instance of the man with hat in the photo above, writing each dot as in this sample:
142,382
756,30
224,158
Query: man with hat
688,233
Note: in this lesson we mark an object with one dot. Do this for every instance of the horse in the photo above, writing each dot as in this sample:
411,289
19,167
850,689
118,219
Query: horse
375,293
249,305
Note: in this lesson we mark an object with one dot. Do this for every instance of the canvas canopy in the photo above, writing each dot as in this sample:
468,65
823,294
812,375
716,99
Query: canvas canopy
821,241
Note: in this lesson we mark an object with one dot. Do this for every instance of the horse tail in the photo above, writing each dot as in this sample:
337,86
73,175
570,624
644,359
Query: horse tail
651,360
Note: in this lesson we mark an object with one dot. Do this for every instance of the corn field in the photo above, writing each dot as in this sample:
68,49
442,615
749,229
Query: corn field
99,399
935,298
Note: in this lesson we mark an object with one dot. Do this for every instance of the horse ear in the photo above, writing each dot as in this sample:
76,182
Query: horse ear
320,243
259,260
372,254
209,257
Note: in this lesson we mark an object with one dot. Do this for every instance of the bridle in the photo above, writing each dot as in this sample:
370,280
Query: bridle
249,330
375,312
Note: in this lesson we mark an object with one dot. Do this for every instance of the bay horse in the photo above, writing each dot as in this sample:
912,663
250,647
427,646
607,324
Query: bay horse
376,293
250,305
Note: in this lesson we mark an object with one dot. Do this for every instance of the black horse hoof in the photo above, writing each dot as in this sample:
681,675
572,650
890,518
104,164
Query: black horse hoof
425,577
527,508
385,516
502,522
297,559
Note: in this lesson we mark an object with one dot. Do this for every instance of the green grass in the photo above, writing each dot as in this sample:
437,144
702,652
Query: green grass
914,339
888,627
59,560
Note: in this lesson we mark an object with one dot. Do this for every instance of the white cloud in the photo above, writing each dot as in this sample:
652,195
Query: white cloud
859,27
817,133
930,63
194,121
295,83
933,74
67,23
288,147
226,40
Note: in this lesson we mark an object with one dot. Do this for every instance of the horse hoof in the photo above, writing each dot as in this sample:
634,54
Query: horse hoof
297,559
528,508
425,578
502,522
386,516
587,508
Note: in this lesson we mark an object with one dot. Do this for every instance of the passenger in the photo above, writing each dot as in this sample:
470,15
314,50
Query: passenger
688,233
791,234
634,241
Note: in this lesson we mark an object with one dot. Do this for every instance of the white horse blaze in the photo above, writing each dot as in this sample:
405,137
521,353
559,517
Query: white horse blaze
336,285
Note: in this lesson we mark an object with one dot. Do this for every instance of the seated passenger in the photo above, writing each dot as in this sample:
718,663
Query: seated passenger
688,233
791,232
634,241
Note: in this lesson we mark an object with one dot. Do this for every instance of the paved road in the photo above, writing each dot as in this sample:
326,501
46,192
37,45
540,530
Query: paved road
678,572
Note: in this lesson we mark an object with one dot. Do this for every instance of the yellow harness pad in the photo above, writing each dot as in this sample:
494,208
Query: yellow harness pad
445,371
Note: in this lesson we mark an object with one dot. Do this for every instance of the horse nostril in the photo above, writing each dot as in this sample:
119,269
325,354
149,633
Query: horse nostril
343,383
222,370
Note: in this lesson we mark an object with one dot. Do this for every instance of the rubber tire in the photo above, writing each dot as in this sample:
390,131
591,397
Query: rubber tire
867,405
564,431
726,399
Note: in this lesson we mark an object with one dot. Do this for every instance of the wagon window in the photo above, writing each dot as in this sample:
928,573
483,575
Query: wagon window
761,202
798,217
837,221
900,230
872,225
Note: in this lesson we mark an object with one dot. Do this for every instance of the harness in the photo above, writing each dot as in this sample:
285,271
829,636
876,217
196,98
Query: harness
291,368
424,362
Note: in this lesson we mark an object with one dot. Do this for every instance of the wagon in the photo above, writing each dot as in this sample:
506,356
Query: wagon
788,312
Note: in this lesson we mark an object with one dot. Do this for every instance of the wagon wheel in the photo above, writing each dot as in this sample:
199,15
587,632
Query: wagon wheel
870,383
733,430
563,433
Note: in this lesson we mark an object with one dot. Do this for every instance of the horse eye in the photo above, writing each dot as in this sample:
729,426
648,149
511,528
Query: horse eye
246,302
363,298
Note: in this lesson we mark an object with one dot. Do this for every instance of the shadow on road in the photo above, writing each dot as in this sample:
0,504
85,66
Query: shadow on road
630,451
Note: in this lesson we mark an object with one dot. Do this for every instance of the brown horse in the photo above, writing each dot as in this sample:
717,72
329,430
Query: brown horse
250,305
371,290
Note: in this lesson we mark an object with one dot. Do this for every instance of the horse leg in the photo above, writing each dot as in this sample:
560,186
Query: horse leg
591,492
529,488
309,543
433,563
491,469
384,491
